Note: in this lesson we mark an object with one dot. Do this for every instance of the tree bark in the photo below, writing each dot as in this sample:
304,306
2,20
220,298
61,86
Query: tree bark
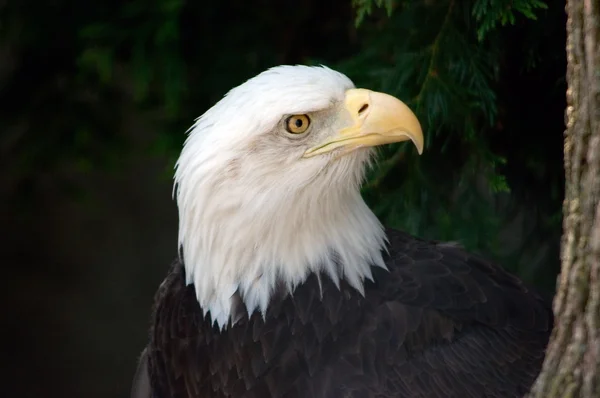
572,364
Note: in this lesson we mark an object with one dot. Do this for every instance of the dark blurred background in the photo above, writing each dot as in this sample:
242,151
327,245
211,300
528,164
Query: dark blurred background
96,98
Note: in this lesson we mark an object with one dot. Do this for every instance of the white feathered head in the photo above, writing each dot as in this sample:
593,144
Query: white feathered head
268,182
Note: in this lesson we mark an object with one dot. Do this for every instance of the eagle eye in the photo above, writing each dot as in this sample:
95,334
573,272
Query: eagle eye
297,124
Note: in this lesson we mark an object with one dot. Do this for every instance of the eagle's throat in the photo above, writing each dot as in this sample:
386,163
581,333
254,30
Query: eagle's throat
230,253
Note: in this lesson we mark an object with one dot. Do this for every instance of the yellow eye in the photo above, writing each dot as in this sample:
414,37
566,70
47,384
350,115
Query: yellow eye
297,124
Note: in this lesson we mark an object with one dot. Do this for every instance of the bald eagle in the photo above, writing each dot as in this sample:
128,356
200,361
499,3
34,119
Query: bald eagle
287,285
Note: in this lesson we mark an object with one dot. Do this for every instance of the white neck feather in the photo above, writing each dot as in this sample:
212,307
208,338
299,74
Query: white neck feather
229,244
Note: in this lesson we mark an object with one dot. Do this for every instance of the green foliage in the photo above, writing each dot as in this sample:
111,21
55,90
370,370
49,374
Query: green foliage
364,8
450,74
154,54
485,78
448,79
490,13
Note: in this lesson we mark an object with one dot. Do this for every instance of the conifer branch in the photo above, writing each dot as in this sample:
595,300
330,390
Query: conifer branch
431,69
387,164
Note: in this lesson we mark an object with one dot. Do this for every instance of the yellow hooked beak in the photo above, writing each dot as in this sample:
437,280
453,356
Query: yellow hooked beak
378,119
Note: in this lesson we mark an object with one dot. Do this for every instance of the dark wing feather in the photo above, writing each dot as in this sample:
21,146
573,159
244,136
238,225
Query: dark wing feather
450,324
465,287
439,323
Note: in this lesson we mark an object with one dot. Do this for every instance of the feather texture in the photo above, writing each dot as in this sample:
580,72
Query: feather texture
440,323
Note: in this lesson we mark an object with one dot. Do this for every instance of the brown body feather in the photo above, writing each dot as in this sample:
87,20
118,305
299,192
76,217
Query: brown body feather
440,323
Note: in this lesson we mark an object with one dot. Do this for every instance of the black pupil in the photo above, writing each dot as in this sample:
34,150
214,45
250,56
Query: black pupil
298,123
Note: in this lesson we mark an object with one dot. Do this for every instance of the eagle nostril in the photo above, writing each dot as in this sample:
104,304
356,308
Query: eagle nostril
363,108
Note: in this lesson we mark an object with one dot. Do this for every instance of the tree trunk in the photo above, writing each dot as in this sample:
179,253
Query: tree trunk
572,364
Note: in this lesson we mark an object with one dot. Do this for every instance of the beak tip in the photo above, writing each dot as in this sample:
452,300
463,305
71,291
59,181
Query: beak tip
417,140
420,148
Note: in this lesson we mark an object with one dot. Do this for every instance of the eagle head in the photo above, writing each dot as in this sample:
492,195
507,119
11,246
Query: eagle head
268,185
